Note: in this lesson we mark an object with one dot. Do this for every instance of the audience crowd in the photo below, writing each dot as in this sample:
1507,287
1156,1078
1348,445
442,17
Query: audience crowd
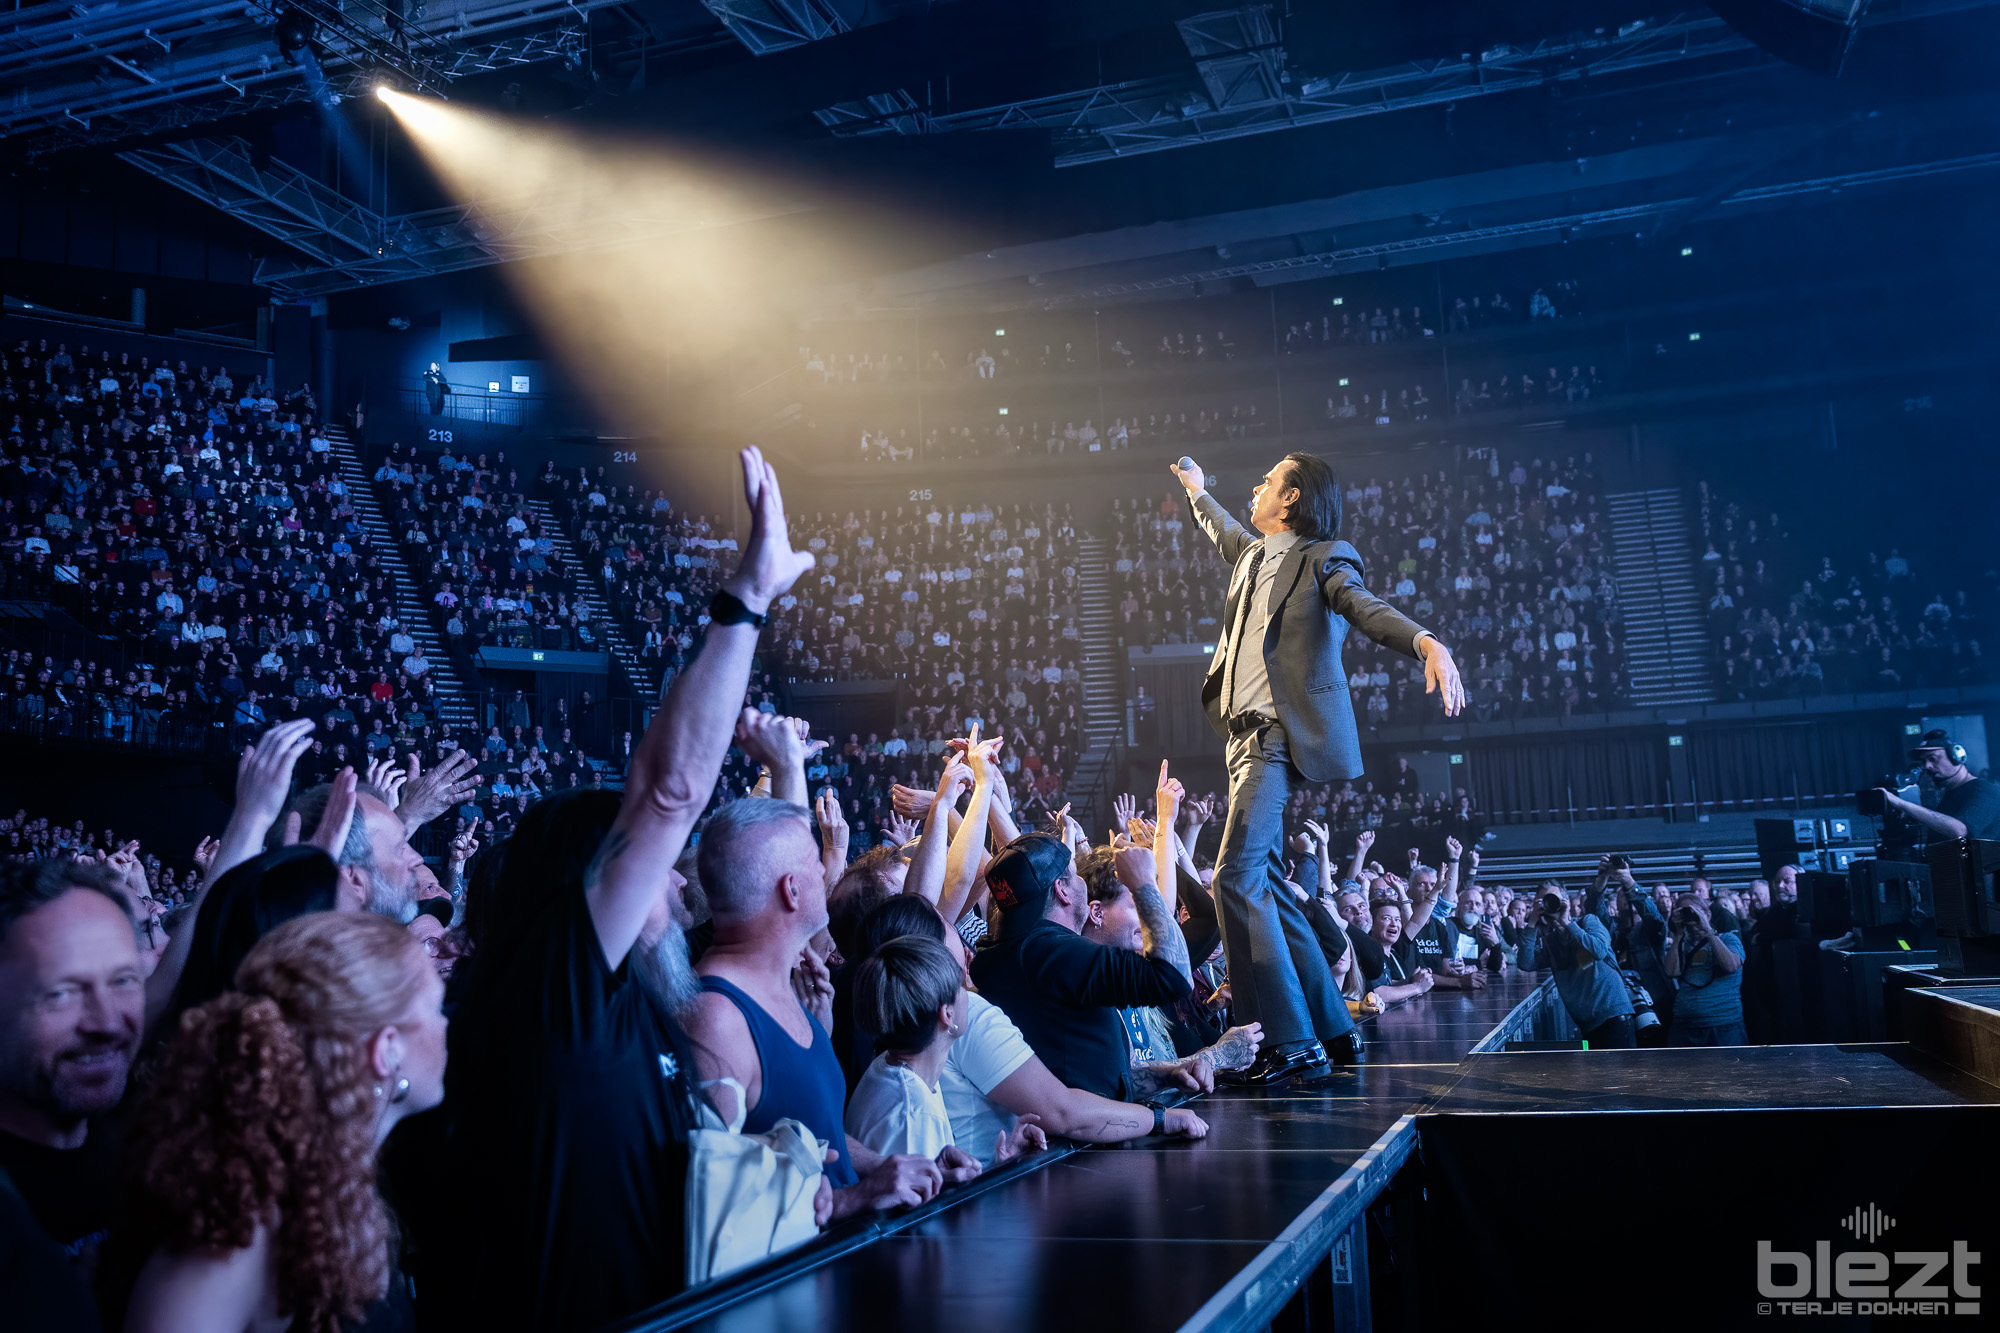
1791,619
198,524
287,1105
657,567
1508,561
493,575
973,607
1319,319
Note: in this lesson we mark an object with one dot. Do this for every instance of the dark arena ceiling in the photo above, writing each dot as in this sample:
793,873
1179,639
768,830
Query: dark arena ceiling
1045,153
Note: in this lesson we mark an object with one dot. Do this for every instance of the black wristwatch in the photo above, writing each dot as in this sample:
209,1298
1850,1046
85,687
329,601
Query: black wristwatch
726,608
1159,1118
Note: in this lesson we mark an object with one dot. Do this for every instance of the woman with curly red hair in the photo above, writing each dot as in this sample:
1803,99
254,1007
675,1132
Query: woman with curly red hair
253,1155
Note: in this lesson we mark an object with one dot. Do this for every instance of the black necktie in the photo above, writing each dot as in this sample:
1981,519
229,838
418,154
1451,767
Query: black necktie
1236,630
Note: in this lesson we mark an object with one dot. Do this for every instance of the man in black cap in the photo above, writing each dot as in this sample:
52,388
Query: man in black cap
1968,806
1061,990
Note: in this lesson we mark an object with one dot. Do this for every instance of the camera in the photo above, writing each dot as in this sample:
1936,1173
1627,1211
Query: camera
1620,861
1553,902
1869,800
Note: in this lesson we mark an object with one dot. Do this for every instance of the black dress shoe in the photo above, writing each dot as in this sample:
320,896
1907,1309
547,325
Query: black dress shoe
1278,1063
1347,1049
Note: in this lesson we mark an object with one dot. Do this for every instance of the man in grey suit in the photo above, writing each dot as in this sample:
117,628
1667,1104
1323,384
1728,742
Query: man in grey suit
1277,695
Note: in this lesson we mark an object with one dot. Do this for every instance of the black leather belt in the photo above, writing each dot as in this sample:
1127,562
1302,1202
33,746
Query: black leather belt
1245,723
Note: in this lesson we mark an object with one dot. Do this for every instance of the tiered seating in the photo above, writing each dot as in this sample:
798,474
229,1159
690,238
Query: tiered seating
196,520
493,575
1508,565
1793,619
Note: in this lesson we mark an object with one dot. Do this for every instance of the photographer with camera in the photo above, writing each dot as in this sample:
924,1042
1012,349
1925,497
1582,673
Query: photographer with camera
1638,933
1577,948
1708,1006
1968,806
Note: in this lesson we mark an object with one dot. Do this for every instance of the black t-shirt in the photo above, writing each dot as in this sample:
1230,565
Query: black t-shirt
1369,954
1975,804
1432,947
39,1288
1064,993
567,1163
70,1191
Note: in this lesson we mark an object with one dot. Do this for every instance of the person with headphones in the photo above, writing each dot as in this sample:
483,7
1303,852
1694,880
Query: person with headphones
1968,806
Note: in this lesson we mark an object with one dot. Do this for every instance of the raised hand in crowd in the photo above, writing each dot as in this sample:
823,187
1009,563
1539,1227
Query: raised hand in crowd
777,745
900,830
833,833
428,794
1124,809
813,982
966,854
910,803
385,777
674,769
926,874
263,782
330,834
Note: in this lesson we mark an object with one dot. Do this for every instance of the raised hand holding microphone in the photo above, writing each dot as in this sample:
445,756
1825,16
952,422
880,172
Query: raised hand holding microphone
1189,475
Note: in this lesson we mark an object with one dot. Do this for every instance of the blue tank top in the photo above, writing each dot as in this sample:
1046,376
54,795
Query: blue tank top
801,1083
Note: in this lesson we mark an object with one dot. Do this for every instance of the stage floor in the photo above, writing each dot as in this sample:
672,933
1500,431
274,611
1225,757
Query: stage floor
1725,1078
1146,1235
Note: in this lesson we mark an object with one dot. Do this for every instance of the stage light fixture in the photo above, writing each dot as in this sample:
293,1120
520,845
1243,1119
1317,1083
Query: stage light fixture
294,36
382,92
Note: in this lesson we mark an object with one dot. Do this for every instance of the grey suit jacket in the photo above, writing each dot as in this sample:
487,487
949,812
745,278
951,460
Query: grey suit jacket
1315,597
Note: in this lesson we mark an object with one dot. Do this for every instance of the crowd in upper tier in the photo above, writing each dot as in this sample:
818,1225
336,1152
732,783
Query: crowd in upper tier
1317,316
1794,616
197,523
1507,560
492,573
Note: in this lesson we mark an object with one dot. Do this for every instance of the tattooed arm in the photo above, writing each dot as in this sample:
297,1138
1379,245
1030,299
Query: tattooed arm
675,767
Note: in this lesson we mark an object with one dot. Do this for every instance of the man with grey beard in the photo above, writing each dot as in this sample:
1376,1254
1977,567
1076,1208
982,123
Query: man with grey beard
561,1164
378,867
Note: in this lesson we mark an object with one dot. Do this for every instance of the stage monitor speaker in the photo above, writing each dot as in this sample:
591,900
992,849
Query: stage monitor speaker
1812,34
1823,903
1890,893
1965,873
1783,842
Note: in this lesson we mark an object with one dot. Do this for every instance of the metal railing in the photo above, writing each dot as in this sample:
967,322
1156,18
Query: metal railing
83,723
487,408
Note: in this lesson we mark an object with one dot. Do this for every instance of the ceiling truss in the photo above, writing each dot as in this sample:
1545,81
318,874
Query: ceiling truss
121,69
1244,84
341,245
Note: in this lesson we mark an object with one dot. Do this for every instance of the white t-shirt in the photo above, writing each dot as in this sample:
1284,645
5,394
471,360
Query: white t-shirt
894,1111
989,1050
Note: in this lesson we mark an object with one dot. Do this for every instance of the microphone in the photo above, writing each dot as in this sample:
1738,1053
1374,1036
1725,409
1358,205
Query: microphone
1186,464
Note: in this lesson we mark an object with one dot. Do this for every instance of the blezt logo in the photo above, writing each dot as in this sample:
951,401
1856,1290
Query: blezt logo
1867,1282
